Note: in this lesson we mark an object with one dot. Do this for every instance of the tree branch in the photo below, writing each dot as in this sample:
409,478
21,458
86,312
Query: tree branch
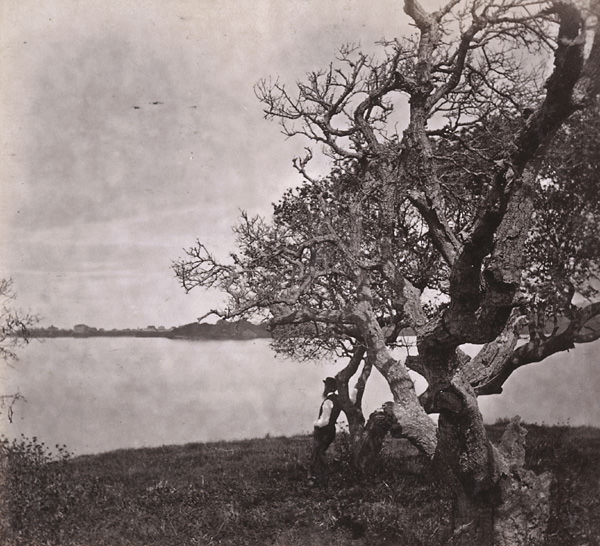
541,348
481,301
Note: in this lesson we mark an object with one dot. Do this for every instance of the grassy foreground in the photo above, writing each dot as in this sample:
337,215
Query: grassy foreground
254,492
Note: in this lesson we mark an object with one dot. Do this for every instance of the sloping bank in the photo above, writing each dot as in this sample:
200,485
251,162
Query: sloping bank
254,492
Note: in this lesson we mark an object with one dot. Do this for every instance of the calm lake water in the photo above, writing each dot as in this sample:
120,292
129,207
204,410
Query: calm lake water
99,394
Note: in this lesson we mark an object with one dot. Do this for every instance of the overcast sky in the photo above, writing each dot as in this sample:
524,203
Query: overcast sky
101,188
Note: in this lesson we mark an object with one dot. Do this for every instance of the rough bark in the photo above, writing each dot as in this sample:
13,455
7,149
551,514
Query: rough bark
353,408
521,517
380,423
510,506
407,410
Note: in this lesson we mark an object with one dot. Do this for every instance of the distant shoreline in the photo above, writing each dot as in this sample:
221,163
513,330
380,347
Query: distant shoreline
239,330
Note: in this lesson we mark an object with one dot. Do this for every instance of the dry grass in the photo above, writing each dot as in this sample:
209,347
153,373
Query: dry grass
255,493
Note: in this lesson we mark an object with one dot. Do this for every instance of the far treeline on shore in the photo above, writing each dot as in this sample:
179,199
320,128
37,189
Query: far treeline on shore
241,329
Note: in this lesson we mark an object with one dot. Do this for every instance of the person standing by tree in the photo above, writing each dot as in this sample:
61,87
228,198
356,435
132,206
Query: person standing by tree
324,432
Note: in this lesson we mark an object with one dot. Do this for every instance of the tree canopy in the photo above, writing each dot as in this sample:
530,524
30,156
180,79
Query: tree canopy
485,195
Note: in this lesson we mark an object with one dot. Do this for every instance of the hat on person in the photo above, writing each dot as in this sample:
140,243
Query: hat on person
331,383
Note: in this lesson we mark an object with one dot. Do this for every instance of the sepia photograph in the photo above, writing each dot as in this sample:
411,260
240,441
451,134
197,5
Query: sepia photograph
300,273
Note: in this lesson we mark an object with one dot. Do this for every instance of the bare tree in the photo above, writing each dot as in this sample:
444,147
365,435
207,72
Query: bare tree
475,172
14,327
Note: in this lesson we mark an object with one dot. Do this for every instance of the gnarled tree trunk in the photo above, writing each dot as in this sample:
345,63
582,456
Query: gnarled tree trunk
497,501
380,423
522,515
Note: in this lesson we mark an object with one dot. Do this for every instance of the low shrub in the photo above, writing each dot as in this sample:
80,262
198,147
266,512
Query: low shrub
36,493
